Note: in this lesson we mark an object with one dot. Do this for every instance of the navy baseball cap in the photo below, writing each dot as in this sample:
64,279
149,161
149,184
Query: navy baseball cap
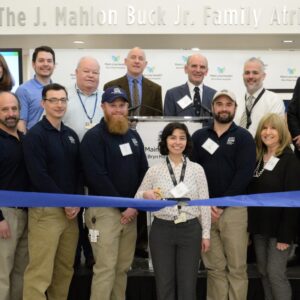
113,93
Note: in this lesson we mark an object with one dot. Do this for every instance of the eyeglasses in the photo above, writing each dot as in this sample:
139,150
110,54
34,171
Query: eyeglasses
56,100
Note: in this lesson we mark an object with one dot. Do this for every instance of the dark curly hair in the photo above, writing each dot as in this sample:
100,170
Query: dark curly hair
167,131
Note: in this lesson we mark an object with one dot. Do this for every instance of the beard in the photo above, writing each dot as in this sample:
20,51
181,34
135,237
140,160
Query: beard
223,119
10,122
117,124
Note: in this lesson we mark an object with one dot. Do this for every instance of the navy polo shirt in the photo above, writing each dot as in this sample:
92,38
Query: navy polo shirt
52,158
13,174
107,171
230,168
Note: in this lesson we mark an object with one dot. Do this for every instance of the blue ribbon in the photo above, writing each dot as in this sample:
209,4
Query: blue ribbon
27,199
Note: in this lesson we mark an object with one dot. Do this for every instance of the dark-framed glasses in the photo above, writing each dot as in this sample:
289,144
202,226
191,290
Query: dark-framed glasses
56,100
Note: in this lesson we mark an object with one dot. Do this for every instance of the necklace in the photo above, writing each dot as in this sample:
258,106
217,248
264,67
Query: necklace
259,168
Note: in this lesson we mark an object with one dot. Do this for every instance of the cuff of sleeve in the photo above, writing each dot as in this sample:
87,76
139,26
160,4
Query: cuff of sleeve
206,234
1,216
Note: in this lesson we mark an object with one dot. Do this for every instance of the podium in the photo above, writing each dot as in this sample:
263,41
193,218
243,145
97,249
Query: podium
149,129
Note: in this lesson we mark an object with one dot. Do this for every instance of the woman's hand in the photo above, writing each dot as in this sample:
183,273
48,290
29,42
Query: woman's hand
205,245
282,246
152,195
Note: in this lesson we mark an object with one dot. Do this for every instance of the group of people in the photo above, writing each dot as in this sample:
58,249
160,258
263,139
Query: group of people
58,140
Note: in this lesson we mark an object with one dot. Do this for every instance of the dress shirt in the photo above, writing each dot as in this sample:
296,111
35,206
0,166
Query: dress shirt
268,103
158,176
139,84
192,87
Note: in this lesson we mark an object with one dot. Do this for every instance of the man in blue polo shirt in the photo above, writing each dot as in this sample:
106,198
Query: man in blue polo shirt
114,164
227,154
51,152
13,221
30,92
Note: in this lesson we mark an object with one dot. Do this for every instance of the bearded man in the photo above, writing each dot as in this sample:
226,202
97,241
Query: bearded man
114,164
227,154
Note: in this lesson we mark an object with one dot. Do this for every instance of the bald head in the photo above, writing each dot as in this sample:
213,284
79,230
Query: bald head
196,68
87,74
9,111
135,62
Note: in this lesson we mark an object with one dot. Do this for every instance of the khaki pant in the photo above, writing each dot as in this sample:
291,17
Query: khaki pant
113,253
13,255
226,260
52,241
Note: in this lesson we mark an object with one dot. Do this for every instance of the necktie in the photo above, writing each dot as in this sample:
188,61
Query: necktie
197,102
246,116
136,98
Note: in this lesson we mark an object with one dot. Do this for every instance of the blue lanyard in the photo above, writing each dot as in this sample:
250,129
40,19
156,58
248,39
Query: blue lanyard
86,113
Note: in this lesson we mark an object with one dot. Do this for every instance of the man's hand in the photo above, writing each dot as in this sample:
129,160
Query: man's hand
215,213
296,139
4,230
128,215
71,212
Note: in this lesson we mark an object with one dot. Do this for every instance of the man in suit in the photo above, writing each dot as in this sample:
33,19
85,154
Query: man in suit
144,94
192,98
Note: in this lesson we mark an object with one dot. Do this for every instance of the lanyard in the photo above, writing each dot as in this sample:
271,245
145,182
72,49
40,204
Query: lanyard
172,172
84,108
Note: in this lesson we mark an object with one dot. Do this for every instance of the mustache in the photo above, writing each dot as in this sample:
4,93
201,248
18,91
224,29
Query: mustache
11,118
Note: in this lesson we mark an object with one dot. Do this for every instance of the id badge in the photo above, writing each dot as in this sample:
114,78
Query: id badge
125,149
210,146
181,218
179,190
93,235
272,162
184,102
89,125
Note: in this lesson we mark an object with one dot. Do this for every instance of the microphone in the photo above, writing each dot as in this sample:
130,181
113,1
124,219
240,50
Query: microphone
134,108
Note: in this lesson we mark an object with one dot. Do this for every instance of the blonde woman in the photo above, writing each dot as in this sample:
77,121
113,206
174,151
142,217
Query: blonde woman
274,228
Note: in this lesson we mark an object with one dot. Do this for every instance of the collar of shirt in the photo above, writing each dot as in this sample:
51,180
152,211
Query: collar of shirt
39,84
191,89
232,127
47,125
7,135
255,94
78,90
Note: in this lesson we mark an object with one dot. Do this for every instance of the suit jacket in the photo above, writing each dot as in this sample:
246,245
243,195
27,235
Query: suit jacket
172,108
151,95
293,113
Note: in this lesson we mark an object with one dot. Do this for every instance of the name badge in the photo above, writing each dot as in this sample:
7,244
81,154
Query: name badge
272,162
210,146
181,218
185,102
93,235
179,190
125,149
89,125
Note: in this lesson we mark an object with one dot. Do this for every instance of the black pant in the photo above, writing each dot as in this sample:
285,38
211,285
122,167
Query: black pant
175,250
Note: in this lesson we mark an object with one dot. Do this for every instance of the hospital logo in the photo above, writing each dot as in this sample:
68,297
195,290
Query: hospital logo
220,70
291,71
150,69
184,58
115,58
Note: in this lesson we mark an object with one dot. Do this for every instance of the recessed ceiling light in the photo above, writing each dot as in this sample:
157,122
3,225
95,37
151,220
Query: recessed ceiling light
288,41
78,42
195,49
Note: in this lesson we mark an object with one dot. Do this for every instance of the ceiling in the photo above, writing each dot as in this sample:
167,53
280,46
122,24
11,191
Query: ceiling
242,42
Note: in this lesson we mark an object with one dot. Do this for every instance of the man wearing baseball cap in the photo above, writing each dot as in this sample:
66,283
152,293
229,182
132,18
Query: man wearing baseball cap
227,154
114,164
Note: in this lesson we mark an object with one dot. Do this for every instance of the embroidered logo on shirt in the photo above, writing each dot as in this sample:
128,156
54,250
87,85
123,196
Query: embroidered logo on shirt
71,139
231,140
135,142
